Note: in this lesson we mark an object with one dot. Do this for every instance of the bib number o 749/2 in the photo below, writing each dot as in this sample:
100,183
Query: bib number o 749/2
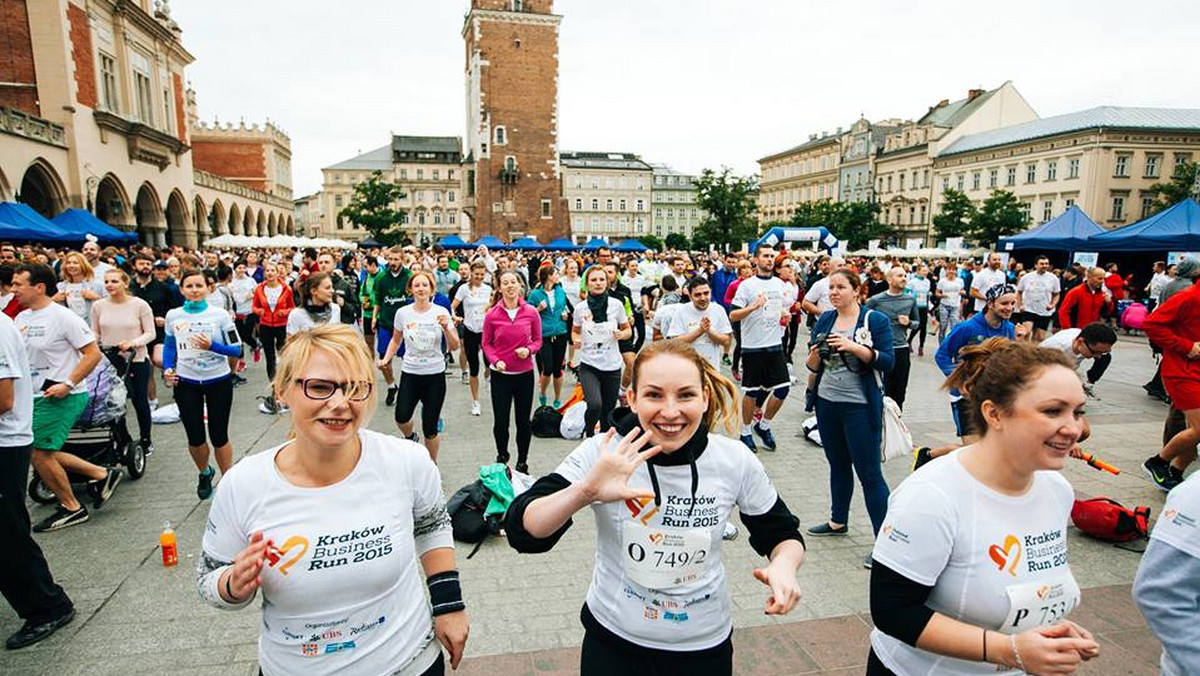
662,559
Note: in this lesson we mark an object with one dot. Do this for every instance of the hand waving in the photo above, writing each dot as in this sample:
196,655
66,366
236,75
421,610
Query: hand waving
608,481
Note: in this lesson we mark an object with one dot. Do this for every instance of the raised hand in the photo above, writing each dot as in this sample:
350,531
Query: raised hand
608,480
245,575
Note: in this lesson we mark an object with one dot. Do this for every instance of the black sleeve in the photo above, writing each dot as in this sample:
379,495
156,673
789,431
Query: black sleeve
898,604
514,521
770,528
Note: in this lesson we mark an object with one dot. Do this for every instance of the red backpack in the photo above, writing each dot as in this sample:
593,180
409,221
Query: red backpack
1107,519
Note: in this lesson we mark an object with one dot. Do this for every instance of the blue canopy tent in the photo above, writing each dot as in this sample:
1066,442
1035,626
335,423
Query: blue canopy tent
490,242
775,236
631,245
453,242
83,222
562,244
595,243
1069,232
21,223
527,244
1174,229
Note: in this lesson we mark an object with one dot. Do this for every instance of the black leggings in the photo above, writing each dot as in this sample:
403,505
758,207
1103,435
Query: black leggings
512,391
430,390
791,336
438,668
875,667
639,330
737,344
273,338
922,327
192,399
612,656
551,355
472,343
245,328
600,390
139,388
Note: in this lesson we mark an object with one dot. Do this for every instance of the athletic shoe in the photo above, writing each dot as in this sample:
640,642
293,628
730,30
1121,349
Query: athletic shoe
1176,474
920,352
284,409
522,467
204,487
1090,389
557,404
391,396
737,374
767,436
241,366
31,633
792,374
823,529
238,380
748,439
147,448
867,562
466,378
105,487
257,354
726,360
731,532
1159,471
920,457
153,404
1156,392
60,519
441,425
475,410
268,406
414,437
542,399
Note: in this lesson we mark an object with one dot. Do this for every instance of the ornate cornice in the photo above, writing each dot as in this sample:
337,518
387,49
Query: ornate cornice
146,144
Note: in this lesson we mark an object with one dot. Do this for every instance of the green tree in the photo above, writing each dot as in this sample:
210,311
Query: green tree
729,203
1000,215
652,241
858,224
373,207
699,242
678,241
956,215
1178,188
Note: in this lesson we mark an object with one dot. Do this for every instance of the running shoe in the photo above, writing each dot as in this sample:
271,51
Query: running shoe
466,378
542,399
60,519
238,381
1090,390
1159,471
731,532
283,408
867,562
105,487
204,487
268,406
767,436
522,467
391,396
257,354
748,439
557,404
726,360
920,457
1176,474
414,437
475,410
823,529
441,425
737,375
153,403
147,448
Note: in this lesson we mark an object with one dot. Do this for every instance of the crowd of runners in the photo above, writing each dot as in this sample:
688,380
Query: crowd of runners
684,360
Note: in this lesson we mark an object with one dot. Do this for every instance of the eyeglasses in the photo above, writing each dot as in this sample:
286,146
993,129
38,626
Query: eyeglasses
320,390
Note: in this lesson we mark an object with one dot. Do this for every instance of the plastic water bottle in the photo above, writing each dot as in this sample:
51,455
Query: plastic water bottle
170,552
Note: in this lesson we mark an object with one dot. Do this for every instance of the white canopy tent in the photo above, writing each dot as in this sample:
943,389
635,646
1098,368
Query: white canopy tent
277,242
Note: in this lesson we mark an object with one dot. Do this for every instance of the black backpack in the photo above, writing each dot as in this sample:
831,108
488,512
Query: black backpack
466,509
546,423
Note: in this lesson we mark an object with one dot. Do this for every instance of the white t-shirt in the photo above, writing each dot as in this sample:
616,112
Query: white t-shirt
474,302
194,362
273,293
422,339
918,287
16,424
695,613
983,280
53,338
661,319
817,294
1037,289
994,561
1179,522
299,319
571,287
598,345
342,592
75,301
635,285
951,290
243,294
685,318
99,269
1062,341
762,328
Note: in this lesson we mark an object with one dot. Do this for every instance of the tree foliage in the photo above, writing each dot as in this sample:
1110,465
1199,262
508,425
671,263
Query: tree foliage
1178,188
373,207
677,241
729,203
999,215
956,215
652,241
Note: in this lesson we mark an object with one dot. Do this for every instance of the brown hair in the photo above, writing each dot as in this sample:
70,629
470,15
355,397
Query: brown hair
850,275
428,276
997,370
310,284
722,395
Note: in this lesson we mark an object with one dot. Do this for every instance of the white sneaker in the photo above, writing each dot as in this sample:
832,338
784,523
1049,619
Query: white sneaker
792,374
153,404
731,531
475,410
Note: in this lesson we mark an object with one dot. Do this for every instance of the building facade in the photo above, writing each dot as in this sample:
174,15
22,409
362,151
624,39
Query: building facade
608,194
674,203
1103,159
860,144
307,213
806,173
512,187
428,168
94,114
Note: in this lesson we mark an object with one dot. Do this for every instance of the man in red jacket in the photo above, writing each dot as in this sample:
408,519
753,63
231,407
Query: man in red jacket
1174,327
1084,304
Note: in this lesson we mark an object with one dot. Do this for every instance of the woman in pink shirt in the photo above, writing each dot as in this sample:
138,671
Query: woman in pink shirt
125,323
512,335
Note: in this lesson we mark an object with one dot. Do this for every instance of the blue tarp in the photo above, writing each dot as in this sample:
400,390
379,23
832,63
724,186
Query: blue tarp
563,244
527,244
1173,229
631,245
775,236
20,222
84,223
1069,232
453,242
596,243
490,242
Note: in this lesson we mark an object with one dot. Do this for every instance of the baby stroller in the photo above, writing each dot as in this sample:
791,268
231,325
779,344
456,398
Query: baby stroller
99,435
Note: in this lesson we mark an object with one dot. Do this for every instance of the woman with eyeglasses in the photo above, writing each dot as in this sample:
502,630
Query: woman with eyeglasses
331,525
421,327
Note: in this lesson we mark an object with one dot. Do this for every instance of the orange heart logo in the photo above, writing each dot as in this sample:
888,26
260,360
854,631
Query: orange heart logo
656,537
1007,556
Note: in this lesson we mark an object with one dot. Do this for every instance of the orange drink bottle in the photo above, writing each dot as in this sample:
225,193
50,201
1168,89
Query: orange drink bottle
170,552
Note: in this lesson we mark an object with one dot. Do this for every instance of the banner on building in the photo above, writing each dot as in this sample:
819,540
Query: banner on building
1174,257
1086,259
913,244
954,244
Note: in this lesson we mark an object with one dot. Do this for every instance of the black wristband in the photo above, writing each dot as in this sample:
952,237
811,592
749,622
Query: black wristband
445,593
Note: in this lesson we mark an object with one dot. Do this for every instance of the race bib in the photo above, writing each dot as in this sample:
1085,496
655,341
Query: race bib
185,339
773,308
76,302
422,337
662,559
595,335
1035,604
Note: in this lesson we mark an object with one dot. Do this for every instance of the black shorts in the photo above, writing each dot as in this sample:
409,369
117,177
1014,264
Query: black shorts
626,346
368,324
1038,321
764,370
964,420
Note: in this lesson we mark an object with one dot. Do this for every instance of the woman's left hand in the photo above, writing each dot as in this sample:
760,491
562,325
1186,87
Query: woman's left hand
522,352
785,590
839,342
202,341
451,630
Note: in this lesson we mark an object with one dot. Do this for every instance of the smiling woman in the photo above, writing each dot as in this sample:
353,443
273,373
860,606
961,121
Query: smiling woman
330,526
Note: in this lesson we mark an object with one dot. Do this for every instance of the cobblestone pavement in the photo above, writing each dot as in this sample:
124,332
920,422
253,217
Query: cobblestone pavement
134,616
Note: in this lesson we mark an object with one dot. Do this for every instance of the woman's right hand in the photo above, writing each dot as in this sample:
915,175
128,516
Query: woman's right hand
608,480
171,377
1055,649
245,575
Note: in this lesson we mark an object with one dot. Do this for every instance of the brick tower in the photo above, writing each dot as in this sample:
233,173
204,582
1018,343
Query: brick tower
513,184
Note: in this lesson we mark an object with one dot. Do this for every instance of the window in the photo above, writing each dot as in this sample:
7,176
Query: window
658,180
546,209
452,217
902,180
1147,206
912,214
595,183
993,177
404,174
959,181
976,178
518,5
1070,202
609,184
1011,178
578,204
624,183
1051,170
337,179
595,225
450,176
922,214
420,174
421,217
1118,209
109,97
609,223
337,200
641,184
1047,210
501,136
497,207
508,207
1152,165
595,205
945,183
419,195
437,175
1073,167
1030,173
622,203
510,163
641,205
608,204
1121,170
143,94
437,218
1026,207
437,195
925,179
1182,159
450,196
658,213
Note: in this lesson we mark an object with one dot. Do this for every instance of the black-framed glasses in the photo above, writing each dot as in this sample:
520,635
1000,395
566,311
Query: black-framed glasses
320,390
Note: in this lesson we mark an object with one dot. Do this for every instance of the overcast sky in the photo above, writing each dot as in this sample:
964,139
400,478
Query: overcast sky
690,83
